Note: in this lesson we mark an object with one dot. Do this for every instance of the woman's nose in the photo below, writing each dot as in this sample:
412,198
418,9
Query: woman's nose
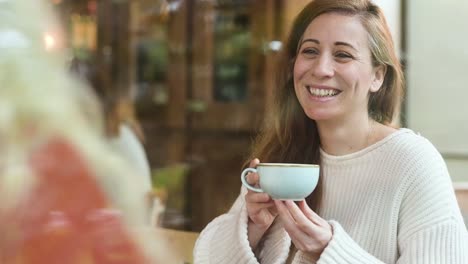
323,67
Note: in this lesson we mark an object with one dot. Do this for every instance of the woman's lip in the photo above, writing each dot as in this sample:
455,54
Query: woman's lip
321,87
321,98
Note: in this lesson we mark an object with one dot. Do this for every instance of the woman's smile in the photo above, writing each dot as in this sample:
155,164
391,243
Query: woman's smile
322,93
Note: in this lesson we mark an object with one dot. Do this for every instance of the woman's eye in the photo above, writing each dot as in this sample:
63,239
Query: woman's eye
310,51
343,55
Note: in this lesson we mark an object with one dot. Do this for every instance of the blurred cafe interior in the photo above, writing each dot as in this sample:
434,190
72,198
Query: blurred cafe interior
193,77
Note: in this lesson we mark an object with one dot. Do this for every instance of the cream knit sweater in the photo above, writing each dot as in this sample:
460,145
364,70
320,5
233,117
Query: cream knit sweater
392,202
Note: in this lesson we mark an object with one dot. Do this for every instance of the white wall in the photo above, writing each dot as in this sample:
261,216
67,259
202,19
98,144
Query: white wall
437,76
392,11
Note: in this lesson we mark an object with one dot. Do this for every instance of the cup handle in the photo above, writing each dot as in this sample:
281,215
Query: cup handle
244,181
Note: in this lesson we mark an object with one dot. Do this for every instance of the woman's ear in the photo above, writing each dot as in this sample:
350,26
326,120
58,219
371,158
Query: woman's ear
379,76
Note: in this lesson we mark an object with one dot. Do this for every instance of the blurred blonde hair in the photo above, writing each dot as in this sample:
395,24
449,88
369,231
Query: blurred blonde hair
39,100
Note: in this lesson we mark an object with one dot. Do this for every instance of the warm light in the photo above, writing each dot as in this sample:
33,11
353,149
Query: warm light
275,45
50,41
56,1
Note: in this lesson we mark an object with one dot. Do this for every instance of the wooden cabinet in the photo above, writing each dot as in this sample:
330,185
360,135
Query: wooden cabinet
217,80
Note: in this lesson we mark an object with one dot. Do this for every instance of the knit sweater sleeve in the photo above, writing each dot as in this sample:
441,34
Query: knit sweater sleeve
430,227
225,240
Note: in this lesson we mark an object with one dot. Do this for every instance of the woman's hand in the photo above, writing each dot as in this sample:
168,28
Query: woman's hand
260,209
309,232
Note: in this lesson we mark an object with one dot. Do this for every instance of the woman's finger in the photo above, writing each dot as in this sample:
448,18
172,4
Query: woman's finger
254,163
254,208
305,224
297,235
310,214
253,197
283,211
252,178
273,209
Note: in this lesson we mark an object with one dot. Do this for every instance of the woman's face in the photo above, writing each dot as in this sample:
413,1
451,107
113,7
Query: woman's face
333,72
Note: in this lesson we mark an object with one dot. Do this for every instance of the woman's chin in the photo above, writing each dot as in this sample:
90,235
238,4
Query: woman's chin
320,116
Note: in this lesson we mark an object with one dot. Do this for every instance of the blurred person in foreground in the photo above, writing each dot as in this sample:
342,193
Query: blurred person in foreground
65,197
126,137
384,193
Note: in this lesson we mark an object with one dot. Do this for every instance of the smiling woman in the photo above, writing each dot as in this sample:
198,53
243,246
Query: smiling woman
384,194
333,70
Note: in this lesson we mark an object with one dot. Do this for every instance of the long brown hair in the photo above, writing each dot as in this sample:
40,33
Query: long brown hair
288,135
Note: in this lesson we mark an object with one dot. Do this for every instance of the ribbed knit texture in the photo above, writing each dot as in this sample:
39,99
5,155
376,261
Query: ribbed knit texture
391,202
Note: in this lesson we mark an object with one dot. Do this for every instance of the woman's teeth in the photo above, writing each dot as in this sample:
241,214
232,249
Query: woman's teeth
322,92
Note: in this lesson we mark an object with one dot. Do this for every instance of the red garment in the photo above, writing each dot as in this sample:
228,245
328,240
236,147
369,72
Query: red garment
65,217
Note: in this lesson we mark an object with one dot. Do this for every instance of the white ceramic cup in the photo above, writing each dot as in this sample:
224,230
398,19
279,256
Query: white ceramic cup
284,181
